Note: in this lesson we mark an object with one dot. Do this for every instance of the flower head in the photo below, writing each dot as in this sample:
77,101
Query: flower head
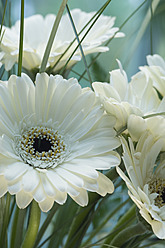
37,32
146,179
122,99
54,137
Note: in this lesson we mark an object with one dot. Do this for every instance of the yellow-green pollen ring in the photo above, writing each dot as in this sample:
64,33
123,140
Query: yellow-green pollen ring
158,186
41,147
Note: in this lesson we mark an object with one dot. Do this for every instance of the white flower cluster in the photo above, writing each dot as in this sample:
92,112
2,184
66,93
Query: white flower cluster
55,137
139,107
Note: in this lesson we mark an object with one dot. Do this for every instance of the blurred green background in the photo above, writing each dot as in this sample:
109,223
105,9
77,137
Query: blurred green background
145,31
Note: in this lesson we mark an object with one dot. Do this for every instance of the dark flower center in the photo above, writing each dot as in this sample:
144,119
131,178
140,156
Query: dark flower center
41,145
158,186
163,195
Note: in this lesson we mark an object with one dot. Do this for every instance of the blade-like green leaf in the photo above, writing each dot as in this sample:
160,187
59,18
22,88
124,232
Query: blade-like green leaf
123,24
52,36
90,27
81,49
21,39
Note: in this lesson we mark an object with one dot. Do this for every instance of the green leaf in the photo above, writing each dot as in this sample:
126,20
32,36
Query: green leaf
108,42
98,14
46,223
52,36
3,234
33,226
21,39
81,49
3,17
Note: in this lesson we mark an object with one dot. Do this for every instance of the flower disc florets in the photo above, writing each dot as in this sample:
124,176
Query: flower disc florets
41,147
158,186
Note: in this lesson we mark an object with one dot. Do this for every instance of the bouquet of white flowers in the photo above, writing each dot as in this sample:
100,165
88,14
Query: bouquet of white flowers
68,152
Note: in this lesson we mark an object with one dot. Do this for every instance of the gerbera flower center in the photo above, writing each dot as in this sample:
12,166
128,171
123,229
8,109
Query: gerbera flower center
41,147
158,186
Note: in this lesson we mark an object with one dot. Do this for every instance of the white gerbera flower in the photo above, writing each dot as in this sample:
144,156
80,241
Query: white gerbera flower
54,136
145,181
37,32
156,71
121,98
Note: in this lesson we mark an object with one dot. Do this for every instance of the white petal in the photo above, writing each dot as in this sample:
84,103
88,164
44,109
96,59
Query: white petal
40,94
3,186
60,197
47,204
23,199
15,170
72,190
14,187
158,229
58,182
67,101
30,180
70,177
39,193
85,170
6,147
82,198
102,145
48,187
90,184
105,185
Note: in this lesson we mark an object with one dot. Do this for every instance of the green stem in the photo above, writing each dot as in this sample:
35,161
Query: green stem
80,224
86,25
63,69
121,223
45,224
33,226
21,39
3,236
120,131
128,18
151,43
96,230
80,46
128,233
19,227
152,115
14,228
3,17
52,36
3,71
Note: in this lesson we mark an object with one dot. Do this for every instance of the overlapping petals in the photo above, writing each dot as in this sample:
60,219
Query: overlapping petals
122,99
145,179
56,117
37,32
138,125
156,71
